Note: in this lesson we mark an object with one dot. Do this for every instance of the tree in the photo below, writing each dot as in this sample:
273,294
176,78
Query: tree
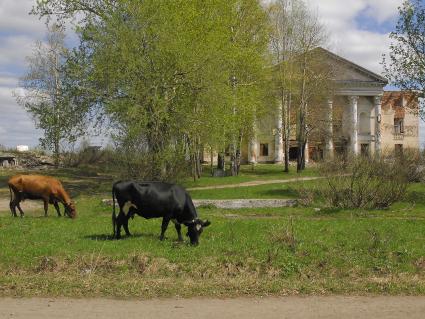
284,16
405,67
45,95
300,76
161,73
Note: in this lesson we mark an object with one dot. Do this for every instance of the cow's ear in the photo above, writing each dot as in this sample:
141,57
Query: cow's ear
206,223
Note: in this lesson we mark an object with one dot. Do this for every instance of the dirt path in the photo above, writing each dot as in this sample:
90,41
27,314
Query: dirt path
256,183
28,205
264,308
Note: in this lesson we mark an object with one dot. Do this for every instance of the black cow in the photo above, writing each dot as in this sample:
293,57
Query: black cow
154,200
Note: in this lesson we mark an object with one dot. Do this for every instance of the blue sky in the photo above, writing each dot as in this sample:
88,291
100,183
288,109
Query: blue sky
358,31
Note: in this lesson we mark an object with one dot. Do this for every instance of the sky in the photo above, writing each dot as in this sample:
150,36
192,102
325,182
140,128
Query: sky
358,31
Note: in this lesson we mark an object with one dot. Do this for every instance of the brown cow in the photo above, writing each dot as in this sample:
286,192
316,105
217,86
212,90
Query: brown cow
46,188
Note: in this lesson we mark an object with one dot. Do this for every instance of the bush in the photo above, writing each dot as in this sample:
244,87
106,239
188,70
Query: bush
366,182
167,165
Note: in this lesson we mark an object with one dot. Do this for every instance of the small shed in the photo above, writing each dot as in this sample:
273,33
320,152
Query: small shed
8,160
22,148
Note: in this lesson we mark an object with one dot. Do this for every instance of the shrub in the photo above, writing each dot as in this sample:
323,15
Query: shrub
365,182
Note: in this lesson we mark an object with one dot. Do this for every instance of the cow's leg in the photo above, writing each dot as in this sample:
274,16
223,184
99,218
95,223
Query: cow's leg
120,221
164,226
125,224
12,206
20,209
14,201
57,208
178,229
46,207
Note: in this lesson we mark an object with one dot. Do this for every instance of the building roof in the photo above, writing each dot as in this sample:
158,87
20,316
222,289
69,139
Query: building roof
348,71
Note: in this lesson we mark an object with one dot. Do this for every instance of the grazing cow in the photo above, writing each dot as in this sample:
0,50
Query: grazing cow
154,200
46,188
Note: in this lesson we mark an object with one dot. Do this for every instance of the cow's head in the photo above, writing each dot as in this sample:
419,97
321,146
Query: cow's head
195,229
70,210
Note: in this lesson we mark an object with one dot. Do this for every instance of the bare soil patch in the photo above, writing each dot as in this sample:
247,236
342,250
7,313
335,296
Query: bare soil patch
276,307
27,206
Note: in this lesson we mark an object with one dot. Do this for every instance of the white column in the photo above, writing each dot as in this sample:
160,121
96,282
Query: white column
354,128
306,153
329,144
377,103
278,142
252,146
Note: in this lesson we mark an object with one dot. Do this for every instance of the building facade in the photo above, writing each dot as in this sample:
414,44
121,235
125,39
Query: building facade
361,118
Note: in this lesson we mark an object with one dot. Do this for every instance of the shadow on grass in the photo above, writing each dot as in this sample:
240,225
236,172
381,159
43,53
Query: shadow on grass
107,237
329,211
415,197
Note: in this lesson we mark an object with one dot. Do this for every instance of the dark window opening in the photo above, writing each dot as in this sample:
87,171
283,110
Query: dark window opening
293,153
399,102
398,126
264,149
398,148
364,149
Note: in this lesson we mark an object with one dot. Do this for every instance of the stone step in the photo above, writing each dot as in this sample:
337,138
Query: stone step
236,203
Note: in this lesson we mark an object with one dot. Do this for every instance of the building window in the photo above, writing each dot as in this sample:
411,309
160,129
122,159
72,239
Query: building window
264,149
364,125
398,126
398,149
364,149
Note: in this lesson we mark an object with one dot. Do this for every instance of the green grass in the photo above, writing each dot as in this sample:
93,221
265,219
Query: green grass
248,173
243,252
271,251
288,190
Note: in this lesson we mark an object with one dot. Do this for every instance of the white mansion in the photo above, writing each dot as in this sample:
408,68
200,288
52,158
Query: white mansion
361,118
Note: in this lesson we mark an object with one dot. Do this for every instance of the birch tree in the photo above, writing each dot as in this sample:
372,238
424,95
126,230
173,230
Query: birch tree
284,16
44,95
405,67
299,76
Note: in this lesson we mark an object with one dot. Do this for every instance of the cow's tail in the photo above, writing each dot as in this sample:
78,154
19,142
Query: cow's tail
114,216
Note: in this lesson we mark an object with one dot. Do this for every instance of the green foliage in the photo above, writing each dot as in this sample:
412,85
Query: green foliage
405,67
169,76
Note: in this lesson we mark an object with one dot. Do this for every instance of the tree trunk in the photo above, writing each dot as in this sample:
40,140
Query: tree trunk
211,163
286,102
301,129
56,153
220,161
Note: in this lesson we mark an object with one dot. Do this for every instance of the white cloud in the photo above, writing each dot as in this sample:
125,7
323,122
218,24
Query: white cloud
14,17
346,38
13,51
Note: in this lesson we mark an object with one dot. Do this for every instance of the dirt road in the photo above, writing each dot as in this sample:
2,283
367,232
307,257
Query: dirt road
264,308
257,183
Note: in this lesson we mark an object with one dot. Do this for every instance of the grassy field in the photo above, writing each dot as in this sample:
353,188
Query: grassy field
300,250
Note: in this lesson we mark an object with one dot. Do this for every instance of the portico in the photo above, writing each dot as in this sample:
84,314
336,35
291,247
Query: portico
352,117
360,118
